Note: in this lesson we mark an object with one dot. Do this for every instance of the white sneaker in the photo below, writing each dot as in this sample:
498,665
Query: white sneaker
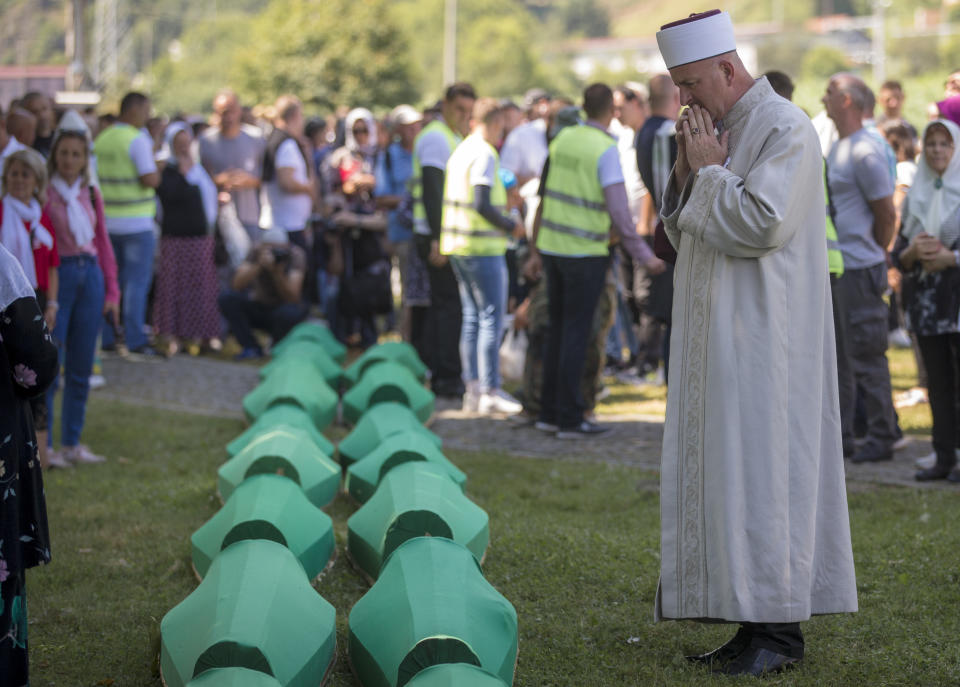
926,462
471,401
899,338
499,401
81,454
55,459
97,381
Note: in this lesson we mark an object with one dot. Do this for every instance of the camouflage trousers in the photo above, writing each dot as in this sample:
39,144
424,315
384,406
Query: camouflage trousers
538,325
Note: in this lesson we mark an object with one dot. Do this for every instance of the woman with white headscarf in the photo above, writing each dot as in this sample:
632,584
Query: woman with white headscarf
928,253
185,297
364,289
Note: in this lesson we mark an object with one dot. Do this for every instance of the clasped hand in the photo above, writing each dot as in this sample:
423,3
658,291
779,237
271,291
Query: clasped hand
697,146
932,254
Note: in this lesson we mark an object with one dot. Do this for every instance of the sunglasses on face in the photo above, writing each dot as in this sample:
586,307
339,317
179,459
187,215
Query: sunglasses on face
360,132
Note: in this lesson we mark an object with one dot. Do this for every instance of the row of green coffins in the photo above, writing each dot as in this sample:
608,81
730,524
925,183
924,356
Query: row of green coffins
259,552
255,620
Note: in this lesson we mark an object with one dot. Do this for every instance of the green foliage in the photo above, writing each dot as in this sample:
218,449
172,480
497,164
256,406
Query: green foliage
328,52
187,80
584,18
914,55
823,61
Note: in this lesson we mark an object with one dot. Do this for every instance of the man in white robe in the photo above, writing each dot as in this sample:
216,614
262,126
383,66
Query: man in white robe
755,528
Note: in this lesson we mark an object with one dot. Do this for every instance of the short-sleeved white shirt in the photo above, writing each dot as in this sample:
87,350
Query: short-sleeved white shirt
483,169
290,211
433,150
525,149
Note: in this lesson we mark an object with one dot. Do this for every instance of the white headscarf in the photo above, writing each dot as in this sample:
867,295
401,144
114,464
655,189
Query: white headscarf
196,175
14,284
15,238
357,114
930,204
81,225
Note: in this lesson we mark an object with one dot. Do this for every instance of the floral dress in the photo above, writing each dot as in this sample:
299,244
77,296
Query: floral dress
28,363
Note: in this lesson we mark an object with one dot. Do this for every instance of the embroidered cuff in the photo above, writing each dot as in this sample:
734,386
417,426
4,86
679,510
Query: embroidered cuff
699,206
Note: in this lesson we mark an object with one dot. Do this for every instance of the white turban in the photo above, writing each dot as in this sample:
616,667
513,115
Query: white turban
696,38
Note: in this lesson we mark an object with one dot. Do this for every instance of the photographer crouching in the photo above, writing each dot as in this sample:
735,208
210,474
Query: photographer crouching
266,293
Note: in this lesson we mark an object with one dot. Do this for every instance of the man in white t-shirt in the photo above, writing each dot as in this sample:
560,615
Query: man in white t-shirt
286,174
525,149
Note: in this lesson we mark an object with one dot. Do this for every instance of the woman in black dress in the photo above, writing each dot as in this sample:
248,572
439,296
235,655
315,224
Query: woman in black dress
28,364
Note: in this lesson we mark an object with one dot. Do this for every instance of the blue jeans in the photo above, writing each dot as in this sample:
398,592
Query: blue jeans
78,322
482,281
622,330
134,253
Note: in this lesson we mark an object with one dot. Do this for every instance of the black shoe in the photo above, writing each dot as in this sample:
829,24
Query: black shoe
584,429
954,476
249,353
757,662
145,350
936,472
872,455
725,653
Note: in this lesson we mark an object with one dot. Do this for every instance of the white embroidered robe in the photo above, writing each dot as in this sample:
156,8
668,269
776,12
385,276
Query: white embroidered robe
753,502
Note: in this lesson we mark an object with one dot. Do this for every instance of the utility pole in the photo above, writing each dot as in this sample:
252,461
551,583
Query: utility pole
878,43
75,44
450,43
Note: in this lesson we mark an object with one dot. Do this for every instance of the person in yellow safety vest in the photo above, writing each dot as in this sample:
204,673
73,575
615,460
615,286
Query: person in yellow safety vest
435,330
584,206
128,176
474,233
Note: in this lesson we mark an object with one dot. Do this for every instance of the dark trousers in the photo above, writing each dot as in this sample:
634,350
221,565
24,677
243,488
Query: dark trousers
848,387
243,315
574,286
439,332
861,312
941,356
784,638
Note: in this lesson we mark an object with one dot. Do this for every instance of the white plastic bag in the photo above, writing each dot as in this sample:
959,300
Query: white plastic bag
513,354
235,237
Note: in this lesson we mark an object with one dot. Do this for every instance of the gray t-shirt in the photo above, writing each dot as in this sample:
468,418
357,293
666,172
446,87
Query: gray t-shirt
243,151
857,173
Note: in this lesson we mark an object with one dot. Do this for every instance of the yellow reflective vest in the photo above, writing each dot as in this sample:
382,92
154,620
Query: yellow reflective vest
420,225
575,220
464,230
123,194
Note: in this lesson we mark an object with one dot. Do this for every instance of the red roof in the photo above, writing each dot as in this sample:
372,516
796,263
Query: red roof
33,71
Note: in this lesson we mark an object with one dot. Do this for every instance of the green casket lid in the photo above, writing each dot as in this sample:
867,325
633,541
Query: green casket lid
301,385
268,507
255,609
313,331
375,425
278,416
414,499
396,351
306,351
290,453
441,610
455,675
387,381
233,677
403,447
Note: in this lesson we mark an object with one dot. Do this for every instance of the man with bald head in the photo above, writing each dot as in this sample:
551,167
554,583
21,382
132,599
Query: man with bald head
232,154
22,125
754,517
861,193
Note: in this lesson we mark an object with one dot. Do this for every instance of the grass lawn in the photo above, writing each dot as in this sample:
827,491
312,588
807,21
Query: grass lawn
575,547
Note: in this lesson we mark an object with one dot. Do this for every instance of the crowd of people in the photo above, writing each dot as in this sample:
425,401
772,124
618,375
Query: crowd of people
448,225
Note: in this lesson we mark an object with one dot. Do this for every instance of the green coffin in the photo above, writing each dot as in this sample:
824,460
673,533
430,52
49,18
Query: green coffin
396,351
440,610
377,424
402,447
255,609
387,381
233,677
301,352
280,416
455,675
268,507
317,333
290,453
299,384
414,500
